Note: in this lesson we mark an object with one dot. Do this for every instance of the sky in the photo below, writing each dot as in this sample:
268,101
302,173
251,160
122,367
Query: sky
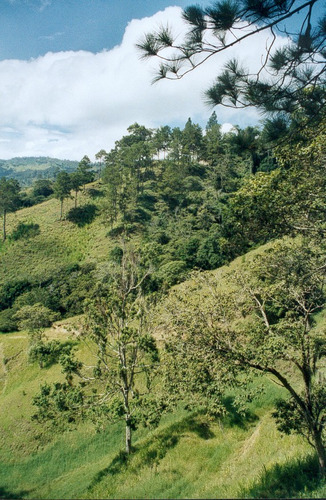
71,79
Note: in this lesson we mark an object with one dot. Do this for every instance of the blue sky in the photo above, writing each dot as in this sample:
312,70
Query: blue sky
30,28
72,82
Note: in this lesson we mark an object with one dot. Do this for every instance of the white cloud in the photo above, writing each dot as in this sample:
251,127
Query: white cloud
69,104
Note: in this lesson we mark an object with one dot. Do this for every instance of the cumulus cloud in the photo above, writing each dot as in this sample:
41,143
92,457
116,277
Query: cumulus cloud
69,104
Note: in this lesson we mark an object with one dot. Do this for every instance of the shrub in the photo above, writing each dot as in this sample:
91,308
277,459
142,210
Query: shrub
116,254
11,290
172,273
35,317
7,321
49,353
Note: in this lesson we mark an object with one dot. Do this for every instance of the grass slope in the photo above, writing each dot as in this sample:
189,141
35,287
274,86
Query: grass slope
59,243
187,456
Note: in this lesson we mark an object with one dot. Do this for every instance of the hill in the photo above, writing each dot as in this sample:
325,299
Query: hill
27,169
181,215
188,455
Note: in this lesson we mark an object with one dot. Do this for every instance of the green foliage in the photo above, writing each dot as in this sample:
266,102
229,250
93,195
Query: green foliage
11,290
8,322
9,199
116,254
42,187
171,273
62,187
51,352
125,352
35,317
264,324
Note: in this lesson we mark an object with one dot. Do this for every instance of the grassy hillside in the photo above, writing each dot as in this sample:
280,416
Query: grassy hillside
59,243
187,456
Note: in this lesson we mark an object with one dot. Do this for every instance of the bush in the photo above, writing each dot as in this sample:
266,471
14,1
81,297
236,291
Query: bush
11,290
172,273
42,188
49,353
7,321
35,317
209,253
37,294
116,254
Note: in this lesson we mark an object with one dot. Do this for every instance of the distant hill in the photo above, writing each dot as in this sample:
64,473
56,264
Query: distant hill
27,169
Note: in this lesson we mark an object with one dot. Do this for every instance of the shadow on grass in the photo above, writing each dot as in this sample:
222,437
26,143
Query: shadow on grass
289,480
82,215
95,193
236,418
154,449
6,494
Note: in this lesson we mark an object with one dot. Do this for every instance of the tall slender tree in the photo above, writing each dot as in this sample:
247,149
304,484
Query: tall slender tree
9,200
62,188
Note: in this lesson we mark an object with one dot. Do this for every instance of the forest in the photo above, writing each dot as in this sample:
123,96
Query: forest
163,310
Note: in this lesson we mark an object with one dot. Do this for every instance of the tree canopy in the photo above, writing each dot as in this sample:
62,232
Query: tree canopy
289,77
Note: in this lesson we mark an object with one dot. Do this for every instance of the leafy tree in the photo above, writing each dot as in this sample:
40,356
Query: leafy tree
100,156
192,141
84,171
246,142
34,319
288,200
264,322
42,187
9,199
161,140
212,122
62,188
295,72
120,384
76,181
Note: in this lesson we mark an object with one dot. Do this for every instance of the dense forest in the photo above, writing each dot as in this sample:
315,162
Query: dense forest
169,300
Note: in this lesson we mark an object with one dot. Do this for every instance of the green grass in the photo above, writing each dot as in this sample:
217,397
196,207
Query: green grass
59,243
187,456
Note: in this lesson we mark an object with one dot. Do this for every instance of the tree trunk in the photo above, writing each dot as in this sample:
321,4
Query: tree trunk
76,199
321,452
61,210
4,226
128,435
